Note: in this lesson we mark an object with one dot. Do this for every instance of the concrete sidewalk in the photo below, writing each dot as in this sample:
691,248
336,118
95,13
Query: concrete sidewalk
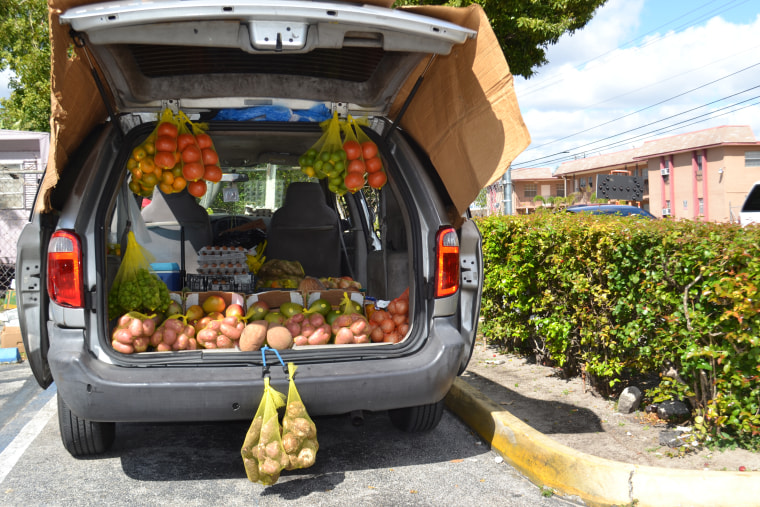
596,481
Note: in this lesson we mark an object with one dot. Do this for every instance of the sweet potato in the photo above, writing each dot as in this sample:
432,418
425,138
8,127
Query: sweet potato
254,335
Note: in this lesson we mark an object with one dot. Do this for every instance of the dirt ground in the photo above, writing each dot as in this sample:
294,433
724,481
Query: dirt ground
574,415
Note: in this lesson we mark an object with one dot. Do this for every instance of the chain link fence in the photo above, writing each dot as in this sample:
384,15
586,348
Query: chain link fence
17,189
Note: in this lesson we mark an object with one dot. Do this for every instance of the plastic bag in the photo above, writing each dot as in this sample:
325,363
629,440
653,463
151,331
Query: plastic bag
190,158
331,159
262,452
154,156
299,433
136,287
309,158
376,176
356,170
209,157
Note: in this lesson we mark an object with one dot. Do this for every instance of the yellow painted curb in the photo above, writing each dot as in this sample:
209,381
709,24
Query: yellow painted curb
596,481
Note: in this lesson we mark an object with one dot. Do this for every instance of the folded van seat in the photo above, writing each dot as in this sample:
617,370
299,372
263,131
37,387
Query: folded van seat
305,229
164,216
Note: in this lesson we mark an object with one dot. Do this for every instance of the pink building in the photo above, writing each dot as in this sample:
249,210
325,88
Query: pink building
533,187
703,175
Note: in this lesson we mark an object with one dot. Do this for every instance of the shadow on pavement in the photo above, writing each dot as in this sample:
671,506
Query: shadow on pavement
548,417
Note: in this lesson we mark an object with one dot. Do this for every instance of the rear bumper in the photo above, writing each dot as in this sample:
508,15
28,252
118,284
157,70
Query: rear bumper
99,391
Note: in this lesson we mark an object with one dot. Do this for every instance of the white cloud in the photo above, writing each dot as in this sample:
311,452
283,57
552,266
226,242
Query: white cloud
573,94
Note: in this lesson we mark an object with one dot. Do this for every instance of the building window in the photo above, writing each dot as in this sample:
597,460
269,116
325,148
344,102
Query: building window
752,159
11,191
530,190
699,166
701,206
559,189
582,182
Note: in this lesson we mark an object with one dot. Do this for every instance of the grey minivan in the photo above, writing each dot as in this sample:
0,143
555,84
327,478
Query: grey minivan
218,62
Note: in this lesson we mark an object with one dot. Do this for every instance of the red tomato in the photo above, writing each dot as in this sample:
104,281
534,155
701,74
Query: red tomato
209,156
377,180
164,159
185,140
166,143
353,149
369,149
197,188
191,153
213,173
204,141
193,171
373,164
167,129
354,181
356,166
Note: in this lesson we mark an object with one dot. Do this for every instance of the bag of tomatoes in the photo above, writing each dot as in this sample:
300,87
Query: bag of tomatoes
153,160
190,158
356,171
209,157
376,177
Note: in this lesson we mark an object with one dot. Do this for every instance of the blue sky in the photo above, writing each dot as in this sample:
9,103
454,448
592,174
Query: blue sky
643,69
623,70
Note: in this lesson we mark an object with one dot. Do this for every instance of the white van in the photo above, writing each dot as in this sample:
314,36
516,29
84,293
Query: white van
750,212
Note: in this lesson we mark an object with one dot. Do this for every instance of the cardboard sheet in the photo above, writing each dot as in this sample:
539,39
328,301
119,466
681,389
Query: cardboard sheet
468,94
471,92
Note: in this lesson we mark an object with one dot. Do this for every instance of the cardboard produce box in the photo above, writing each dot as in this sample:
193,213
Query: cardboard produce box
11,338
197,298
275,298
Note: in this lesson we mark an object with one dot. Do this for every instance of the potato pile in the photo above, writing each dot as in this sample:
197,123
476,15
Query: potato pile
133,332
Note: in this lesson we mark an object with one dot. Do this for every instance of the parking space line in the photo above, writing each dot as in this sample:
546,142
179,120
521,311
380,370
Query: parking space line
15,449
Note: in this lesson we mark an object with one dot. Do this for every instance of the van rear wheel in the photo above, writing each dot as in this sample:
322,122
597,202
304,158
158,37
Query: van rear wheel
82,437
417,419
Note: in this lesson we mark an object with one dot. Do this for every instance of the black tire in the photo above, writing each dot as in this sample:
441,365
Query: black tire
82,437
417,419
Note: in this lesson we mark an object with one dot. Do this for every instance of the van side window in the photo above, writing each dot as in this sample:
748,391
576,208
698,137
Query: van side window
752,203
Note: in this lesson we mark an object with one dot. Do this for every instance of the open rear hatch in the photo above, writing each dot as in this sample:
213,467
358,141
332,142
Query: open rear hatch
207,55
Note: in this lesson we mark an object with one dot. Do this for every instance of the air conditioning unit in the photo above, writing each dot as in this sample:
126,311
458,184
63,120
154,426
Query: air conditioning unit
665,171
666,212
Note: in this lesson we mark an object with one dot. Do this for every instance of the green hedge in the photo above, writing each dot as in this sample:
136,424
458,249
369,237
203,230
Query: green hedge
619,296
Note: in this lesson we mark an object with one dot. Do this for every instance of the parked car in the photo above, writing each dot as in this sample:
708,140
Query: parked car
750,212
203,58
610,209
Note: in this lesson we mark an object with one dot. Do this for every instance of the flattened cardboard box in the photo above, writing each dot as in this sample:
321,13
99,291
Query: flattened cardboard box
11,338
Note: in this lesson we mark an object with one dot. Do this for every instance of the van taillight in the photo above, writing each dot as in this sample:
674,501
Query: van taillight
447,263
65,284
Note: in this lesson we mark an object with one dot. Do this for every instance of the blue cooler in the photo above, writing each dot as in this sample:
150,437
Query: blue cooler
169,273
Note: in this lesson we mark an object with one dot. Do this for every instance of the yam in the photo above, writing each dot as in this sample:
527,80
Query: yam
254,335
278,337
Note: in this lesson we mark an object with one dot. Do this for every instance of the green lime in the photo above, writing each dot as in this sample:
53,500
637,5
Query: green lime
331,316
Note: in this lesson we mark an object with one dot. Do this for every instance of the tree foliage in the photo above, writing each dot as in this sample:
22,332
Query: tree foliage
25,51
525,29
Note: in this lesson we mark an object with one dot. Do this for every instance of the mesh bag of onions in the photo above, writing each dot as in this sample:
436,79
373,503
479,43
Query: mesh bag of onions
263,454
299,433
